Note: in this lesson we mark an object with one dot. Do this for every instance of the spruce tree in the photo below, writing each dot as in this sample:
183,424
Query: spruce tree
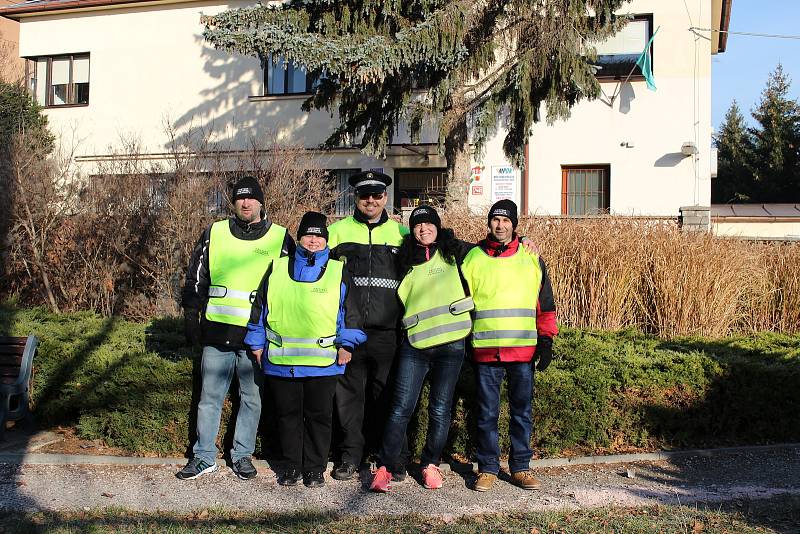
480,65
734,181
777,142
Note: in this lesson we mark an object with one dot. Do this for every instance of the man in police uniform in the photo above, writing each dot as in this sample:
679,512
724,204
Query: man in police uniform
227,265
367,242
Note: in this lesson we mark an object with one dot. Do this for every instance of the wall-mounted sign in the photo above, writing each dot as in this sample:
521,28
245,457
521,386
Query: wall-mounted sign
477,190
504,183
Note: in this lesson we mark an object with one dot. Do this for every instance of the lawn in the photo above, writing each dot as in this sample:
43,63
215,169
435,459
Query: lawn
748,518
132,385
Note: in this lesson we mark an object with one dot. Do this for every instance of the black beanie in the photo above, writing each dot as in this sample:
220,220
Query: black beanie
504,208
313,223
423,214
248,187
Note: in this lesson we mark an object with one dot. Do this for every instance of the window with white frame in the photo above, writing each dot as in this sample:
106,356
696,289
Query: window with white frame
616,57
585,189
61,80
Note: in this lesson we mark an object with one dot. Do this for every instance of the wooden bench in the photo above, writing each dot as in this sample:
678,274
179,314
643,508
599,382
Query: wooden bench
16,363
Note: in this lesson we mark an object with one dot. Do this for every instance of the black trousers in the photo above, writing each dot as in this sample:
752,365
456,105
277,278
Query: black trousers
304,413
362,396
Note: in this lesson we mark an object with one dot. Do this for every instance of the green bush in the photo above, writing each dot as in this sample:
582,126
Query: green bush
131,385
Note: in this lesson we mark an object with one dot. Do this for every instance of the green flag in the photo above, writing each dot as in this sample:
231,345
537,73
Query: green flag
646,65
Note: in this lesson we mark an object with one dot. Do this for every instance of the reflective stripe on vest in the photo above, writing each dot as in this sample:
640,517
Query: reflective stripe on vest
303,315
505,291
435,304
236,267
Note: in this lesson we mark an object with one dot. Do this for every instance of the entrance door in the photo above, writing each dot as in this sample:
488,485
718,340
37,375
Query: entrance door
413,187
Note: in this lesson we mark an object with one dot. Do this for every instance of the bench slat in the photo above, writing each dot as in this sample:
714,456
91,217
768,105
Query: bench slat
11,359
11,350
10,340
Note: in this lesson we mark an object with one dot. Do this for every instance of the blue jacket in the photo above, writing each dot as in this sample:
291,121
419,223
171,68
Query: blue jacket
306,266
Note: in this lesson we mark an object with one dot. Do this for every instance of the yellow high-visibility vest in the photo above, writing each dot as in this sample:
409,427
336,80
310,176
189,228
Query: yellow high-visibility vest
435,304
505,291
236,267
301,316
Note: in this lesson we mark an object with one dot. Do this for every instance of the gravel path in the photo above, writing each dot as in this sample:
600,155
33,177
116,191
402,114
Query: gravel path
715,479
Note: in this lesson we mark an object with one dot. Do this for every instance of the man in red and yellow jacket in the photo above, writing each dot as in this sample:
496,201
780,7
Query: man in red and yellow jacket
514,325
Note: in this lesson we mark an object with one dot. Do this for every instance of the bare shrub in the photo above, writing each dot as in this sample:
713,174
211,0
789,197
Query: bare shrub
125,233
614,272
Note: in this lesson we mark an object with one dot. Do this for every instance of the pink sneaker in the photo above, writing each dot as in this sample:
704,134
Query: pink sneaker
381,481
432,477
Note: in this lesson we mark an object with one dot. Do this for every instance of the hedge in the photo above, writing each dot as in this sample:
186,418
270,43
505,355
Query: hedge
131,385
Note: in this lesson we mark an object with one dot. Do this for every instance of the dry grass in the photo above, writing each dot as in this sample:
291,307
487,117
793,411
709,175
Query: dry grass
611,273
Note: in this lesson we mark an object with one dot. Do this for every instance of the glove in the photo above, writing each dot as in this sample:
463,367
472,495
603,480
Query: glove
191,326
544,352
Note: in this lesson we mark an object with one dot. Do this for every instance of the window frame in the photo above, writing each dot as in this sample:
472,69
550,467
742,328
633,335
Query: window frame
637,71
266,62
30,74
606,188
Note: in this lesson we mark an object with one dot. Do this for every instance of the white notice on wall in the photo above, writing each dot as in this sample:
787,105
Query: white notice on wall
504,183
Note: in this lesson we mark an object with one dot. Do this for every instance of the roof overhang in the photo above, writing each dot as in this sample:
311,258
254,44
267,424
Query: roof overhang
32,8
720,22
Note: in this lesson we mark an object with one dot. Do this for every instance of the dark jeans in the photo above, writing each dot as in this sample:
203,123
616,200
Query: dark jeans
444,365
520,396
304,409
362,398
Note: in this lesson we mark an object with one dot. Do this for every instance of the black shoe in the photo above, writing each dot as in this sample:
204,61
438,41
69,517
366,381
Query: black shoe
290,477
314,479
399,474
344,471
196,468
244,468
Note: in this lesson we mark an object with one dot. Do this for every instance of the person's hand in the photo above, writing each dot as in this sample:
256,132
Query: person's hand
257,353
529,246
191,326
544,353
344,356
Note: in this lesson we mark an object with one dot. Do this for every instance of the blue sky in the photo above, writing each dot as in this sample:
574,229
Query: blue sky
742,71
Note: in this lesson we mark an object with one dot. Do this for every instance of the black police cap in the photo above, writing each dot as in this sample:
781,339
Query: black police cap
370,182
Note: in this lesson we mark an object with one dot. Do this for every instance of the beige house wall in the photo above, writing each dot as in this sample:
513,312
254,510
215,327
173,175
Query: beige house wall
151,67
11,66
766,229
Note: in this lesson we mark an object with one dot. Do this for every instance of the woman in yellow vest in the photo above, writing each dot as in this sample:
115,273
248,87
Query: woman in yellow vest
436,320
298,334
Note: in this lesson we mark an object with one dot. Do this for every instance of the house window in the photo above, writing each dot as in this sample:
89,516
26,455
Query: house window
616,57
585,190
282,78
59,80
345,204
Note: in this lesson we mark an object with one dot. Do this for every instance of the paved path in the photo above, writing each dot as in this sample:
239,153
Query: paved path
743,474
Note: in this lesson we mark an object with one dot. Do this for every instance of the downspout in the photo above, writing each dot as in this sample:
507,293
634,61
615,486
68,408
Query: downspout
525,175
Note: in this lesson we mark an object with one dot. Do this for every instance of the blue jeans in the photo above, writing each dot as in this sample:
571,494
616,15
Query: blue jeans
217,371
520,396
444,365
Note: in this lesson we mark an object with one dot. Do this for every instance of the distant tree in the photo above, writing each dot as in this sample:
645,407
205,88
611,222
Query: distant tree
467,66
776,142
734,181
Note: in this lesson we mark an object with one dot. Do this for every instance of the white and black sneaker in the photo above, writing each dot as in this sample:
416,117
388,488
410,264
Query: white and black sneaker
196,467
244,468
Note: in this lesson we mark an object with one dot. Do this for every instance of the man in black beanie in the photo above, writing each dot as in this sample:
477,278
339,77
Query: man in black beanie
226,266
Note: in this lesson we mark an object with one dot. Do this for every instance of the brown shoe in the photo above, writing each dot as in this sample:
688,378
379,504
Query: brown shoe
525,480
484,482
